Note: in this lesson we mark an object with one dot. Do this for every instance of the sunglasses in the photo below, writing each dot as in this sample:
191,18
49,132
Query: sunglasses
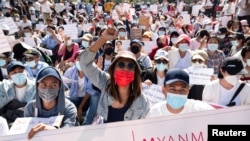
128,65
161,61
197,60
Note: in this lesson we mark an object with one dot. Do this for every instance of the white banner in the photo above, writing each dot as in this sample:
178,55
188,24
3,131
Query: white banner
71,30
183,127
4,44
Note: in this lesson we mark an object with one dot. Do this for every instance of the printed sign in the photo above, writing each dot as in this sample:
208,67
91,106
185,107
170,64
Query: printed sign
121,45
135,34
24,125
200,76
71,30
179,127
4,44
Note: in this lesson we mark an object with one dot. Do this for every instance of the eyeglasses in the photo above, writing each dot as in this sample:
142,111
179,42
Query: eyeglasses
197,60
161,61
128,65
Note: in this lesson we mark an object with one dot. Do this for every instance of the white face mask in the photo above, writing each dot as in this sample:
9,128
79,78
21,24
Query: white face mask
174,40
198,65
69,42
248,62
26,34
212,47
232,79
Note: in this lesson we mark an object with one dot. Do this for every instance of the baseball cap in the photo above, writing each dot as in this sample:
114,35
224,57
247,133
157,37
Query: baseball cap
175,75
125,54
87,37
233,66
48,71
198,56
183,37
147,34
31,53
161,54
244,22
14,64
137,42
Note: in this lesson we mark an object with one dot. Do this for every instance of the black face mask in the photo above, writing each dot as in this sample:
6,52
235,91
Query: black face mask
108,51
160,45
135,49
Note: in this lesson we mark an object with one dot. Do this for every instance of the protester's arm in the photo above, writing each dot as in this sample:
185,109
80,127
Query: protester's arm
70,114
81,106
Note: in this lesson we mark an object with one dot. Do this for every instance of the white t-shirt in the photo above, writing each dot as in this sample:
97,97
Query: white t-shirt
46,7
241,11
160,109
107,63
24,24
184,62
80,90
4,127
37,6
160,81
20,93
226,95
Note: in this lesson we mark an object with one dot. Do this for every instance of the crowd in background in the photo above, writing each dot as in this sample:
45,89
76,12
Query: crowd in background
96,76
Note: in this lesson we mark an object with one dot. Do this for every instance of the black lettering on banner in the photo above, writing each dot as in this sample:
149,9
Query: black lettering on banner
224,132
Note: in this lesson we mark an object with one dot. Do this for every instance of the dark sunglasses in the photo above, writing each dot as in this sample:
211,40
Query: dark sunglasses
129,66
197,60
161,61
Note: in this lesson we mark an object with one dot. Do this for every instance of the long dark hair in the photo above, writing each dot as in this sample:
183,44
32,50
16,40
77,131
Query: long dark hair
135,89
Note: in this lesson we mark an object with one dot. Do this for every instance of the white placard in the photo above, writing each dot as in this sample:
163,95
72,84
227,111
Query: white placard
179,127
10,23
154,8
85,27
200,76
153,93
186,18
125,45
30,41
196,9
24,125
4,44
71,30
148,46
40,26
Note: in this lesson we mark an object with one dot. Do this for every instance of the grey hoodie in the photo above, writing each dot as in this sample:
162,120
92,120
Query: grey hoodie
63,107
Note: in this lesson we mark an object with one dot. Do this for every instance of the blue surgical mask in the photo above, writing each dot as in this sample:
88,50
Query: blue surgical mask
19,78
161,67
161,33
183,47
171,28
85,44
122,34
31,64
234,43
212,47
48,33
174,40
2,62
78,66
48,95
176,101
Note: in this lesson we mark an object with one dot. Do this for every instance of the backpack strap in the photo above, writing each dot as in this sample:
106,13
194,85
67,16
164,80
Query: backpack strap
231,103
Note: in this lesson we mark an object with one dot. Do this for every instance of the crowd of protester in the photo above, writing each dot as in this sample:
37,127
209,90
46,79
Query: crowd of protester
96,76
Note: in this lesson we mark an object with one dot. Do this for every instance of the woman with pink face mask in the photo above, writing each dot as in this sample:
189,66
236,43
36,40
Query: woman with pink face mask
121,93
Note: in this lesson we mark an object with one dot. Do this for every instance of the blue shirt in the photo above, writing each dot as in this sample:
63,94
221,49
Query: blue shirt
32,74
49,41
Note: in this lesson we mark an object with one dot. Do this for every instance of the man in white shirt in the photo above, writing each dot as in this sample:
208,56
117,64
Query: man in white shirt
176,89
24,23
46,9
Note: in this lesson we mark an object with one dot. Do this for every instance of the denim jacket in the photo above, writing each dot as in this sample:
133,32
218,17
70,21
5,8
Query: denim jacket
100,79
7,91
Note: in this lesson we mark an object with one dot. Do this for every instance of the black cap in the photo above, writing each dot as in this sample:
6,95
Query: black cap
137,42
31,53
233,66
14,64
176,74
